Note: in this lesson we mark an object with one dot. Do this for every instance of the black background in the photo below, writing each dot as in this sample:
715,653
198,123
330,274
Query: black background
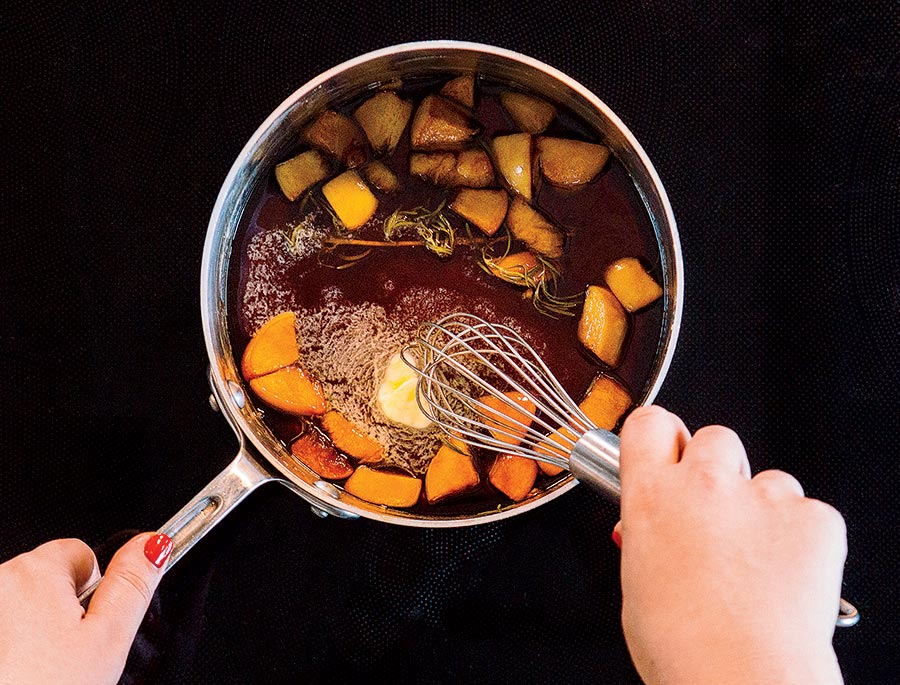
776,132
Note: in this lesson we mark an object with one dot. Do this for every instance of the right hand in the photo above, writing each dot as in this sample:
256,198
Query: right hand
725,579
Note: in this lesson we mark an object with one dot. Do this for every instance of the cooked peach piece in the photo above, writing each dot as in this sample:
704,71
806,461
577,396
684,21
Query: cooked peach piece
570,163
513,476
297,174
512,155
505,422
351,199
292,390
383,119
603,325
605,402
530,114
461,89
556,445
350,438
272,347
440,124
314,450
534,229
384,487
449,475
519,268
484,208
337,135
631,284
468,168
379,175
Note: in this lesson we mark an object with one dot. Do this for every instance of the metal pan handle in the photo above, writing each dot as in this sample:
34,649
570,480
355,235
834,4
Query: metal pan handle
241,477
595,462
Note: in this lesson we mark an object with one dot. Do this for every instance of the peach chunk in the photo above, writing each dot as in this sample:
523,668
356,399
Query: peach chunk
603,325
297,174
351,199
555,445
514,476
384,487
534,229
273,347
314,450
337,135
484,208
449,475
461,89
506,423
605,402
349,438
379,175
529,113
291,390
383,118
631,284
570,163
512,156
440,124
469,168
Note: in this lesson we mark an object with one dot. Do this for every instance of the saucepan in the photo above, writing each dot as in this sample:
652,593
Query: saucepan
261,457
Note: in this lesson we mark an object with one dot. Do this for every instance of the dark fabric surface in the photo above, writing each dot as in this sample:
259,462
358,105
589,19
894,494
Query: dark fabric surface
776,132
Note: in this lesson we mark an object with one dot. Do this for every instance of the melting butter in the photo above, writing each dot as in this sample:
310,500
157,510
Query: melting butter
397,395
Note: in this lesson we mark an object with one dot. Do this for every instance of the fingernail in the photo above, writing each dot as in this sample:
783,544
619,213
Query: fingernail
158,548
617,538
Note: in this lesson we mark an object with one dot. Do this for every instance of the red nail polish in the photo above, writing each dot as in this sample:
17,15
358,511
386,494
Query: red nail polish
158,548
617,538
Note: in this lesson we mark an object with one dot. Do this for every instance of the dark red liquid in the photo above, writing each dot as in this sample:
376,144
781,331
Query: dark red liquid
604,221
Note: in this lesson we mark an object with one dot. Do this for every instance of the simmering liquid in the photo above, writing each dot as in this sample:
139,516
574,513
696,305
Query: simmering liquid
352,320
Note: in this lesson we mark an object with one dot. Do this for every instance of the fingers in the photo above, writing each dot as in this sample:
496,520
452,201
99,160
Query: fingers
777,484
121,600
651,437
717,447
73,561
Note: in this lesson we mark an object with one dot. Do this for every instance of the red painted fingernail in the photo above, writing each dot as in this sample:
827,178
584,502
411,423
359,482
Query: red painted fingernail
617,538
158,548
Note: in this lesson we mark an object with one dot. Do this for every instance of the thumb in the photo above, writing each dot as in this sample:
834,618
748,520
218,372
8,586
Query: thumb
121,600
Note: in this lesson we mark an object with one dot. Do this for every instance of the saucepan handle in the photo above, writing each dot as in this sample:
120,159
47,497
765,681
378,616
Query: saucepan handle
241,477
595,462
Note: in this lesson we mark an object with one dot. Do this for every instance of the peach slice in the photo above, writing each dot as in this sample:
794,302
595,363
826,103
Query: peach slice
534,229
461,89
530,114
273,347
379,175
450,474
337,135
291,390
503,420
384,487
314,450
631,284
351,199
297,174
349,438
469,168
383,119
514,476
603,325
605,402
484,208
555,445
440,124
570,163
512,155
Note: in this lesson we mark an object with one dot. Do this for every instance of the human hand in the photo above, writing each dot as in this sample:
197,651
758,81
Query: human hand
47,637
725,579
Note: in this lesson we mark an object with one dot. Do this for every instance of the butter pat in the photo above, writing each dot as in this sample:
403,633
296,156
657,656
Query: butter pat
397,395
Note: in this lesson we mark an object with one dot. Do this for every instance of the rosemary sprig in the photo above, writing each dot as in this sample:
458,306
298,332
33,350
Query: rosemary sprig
539,280
433,228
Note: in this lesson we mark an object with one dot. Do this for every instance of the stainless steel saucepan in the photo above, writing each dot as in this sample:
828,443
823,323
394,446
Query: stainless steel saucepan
261,457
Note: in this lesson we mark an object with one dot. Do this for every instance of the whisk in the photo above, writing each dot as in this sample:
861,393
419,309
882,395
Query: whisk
471,372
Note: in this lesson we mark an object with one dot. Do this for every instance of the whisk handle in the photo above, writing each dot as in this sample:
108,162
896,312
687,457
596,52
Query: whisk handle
595,461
